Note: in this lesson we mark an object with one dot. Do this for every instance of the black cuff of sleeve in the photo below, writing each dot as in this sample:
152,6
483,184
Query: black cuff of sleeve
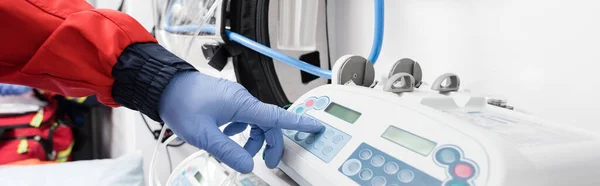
142,73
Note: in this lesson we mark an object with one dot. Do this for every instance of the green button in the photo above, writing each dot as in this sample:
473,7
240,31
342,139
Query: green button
457,184
299,110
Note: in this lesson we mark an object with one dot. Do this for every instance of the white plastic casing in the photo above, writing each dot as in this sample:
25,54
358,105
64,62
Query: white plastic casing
553,155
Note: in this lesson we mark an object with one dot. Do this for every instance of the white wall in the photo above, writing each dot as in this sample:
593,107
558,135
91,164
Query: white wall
539,54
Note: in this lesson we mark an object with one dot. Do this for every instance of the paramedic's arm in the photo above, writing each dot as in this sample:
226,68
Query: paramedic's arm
68,47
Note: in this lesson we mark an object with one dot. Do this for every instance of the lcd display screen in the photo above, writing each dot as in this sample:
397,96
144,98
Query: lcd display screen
198,177
408,140
342,112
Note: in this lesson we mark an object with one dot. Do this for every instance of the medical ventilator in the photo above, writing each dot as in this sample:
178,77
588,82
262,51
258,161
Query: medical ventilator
397,130
423,137
389,132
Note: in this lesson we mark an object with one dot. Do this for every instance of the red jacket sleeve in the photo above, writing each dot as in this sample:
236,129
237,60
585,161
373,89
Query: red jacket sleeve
64,46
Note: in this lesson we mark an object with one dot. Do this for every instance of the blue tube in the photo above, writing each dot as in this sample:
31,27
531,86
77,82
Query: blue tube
378,35
256,47
317,71
375,49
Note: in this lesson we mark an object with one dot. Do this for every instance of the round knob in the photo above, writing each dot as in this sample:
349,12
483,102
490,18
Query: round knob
351,69
408,66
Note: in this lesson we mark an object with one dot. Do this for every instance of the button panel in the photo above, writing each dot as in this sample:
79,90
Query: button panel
379,168
325,148
317,103
461,170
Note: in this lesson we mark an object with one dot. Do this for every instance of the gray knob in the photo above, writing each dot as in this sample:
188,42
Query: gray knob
351,69
446,83
400,82
409,66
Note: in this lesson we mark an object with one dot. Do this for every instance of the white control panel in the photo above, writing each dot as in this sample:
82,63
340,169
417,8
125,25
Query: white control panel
380,138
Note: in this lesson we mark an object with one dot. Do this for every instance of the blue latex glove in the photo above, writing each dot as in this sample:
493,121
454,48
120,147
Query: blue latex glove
13,90
194,105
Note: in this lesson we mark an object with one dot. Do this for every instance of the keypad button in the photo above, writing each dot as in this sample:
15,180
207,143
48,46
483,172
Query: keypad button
365,174
463,170
321,103
381,169
310,139
337,139
406,175
455,183
447,155
328,133
309,103
391,168
327,150
351,167
318,145
301,136
299,110
378,181
377,161
365,154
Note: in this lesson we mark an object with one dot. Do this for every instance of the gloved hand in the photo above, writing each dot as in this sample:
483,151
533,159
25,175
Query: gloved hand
194,105
12,90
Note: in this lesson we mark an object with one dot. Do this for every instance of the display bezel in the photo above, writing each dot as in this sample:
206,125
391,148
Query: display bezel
198,176
430,148
334,104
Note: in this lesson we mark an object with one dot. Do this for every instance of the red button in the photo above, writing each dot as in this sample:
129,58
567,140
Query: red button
310,103
463,170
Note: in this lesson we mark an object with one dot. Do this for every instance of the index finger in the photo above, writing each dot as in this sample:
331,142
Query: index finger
267,115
